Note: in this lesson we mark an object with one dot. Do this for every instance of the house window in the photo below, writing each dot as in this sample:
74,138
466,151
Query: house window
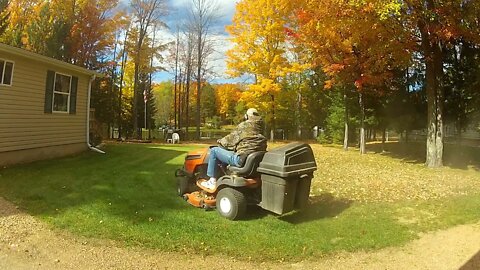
6,72
61,92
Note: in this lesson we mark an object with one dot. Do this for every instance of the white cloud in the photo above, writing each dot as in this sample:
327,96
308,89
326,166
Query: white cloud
217,60
226,8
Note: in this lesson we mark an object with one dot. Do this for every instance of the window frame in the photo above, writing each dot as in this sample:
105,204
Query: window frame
62,93
5,61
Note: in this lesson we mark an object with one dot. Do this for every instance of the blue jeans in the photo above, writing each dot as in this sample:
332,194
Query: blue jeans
219,154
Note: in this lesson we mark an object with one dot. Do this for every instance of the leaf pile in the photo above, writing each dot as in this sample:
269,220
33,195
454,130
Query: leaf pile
380,178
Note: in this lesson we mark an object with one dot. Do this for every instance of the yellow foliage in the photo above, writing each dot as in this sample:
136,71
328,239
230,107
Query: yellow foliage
262,96
227,96
261,34
258,32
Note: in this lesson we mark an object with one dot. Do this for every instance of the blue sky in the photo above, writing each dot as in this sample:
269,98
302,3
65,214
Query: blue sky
177,9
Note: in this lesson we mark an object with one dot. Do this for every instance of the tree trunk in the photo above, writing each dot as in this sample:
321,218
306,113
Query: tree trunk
434,89
299,115
362,123
197,115
272,131
345,136
187,103
111,95
120,92
384,131
136,133
180,102
199,86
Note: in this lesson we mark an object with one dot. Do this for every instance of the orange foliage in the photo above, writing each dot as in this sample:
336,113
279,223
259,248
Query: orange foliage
350,42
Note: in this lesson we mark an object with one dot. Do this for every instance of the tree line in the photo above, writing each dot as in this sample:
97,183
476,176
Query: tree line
122,43
351,67
410,64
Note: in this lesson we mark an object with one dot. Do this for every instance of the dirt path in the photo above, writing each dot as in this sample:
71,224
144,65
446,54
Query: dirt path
26,243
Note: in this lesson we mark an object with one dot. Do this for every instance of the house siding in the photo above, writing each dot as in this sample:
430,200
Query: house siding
25,126
45,152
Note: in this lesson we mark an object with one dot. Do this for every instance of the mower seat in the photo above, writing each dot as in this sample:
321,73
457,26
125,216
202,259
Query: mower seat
251,163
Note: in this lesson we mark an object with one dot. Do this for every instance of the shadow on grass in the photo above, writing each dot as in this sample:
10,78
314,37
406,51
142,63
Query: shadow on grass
135,183
255,212
322,206
455,156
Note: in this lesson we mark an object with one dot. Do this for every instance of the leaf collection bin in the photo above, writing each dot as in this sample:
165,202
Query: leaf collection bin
286,174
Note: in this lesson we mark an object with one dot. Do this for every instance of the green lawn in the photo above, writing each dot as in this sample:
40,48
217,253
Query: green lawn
129,195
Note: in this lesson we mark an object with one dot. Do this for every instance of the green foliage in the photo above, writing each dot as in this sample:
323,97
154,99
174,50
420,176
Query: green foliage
103,100
214,122
404,108
461,82
323,139
240,109
207,103
47,36
335,121
163,93
315,100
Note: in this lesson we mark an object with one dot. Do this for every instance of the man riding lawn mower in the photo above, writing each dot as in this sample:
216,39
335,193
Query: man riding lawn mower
278,180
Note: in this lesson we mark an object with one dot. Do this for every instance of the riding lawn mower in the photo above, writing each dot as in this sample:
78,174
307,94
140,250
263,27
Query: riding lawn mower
278,181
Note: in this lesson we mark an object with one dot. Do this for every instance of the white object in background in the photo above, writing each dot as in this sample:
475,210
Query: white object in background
175,138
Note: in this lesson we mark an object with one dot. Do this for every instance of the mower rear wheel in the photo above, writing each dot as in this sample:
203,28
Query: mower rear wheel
231,203
183,185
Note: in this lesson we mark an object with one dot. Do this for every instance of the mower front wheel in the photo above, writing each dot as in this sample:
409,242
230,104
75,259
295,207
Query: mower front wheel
183,185
231,203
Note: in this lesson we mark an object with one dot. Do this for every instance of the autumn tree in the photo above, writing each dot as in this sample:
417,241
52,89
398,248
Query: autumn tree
147,13
203,15
164,99
21,12
78,32
93,30
4,16
227,96
188,68
142,83
352,44
258,35
435,26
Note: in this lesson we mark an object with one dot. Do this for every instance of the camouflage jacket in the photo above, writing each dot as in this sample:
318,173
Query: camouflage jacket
246,138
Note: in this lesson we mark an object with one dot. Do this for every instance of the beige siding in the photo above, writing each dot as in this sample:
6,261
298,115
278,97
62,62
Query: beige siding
23,123
28,155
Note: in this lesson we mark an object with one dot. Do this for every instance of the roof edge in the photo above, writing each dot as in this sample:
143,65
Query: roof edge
45,59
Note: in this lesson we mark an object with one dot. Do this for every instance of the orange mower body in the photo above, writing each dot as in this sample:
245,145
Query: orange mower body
278,181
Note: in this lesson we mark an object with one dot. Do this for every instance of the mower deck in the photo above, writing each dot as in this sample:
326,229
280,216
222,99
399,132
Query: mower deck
201,199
